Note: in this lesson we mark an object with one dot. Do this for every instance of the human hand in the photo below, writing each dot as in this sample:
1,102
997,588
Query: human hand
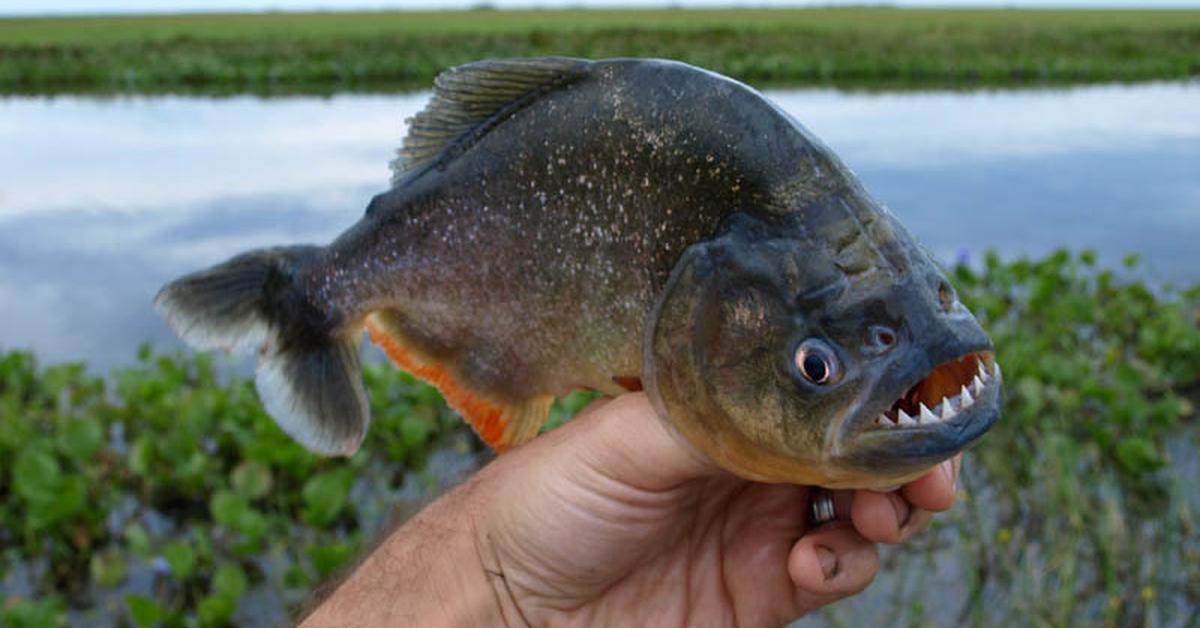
611,520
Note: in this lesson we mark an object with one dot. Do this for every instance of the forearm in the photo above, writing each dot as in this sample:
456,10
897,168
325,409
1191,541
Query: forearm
428,572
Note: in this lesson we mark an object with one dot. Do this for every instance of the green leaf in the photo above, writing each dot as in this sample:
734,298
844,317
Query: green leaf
80,439
227,508
324,497
137,540
414,430
329,558
181,557
1138,455
36,474
108,568
230,581
215,610
145,612
252,524
141,455
43,613
252,479
70,501
232,511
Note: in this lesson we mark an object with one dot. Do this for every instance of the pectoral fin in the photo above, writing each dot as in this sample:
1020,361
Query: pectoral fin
502,425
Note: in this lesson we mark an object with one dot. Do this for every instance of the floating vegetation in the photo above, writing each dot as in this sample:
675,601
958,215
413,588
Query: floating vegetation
163,495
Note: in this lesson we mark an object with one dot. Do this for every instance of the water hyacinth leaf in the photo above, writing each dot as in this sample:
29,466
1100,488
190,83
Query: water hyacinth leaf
44,613
108,568
80,439
1137,455
215,610
253,525
182,559
327,559
49,496
232,511
141,455
137,540
324,496
230,581
414,430
195,467
252,479
145,612
36,471
227,508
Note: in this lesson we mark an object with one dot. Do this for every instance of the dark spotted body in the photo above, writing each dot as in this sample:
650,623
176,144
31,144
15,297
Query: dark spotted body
534,257
558,223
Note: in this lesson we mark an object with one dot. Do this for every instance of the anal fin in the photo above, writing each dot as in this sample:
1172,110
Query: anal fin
502,425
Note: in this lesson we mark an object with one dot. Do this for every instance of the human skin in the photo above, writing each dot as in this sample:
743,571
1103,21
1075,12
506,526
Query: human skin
613,519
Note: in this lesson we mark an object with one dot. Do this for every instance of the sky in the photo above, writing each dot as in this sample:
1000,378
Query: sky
41,7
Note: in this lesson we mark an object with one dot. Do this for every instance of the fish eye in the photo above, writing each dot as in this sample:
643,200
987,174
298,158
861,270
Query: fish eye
817,362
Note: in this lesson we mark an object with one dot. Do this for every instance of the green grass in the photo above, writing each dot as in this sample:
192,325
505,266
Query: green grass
163,495
282,53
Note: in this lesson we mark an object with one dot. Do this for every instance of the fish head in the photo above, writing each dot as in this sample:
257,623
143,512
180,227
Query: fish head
797,350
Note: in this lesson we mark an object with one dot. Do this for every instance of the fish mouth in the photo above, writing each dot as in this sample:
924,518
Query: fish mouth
946,395
939,415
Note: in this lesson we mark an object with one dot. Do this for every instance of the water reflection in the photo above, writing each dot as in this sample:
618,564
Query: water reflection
101,201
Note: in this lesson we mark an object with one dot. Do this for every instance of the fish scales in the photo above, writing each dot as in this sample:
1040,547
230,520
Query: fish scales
586,224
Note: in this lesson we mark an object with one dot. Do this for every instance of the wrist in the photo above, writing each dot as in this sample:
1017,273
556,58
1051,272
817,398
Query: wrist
451,573
428,572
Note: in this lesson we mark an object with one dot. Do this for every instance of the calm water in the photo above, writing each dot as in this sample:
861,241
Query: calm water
101,201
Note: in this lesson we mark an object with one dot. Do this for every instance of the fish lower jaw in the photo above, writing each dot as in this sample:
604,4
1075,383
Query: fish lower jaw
986,378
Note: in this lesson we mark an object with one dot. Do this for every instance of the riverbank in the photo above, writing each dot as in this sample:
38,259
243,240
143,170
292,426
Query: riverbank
282,53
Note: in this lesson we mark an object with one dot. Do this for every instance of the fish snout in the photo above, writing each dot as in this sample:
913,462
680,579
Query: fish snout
879,339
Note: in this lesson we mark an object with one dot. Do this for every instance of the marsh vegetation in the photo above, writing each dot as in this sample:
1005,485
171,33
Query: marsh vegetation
163,494
316,53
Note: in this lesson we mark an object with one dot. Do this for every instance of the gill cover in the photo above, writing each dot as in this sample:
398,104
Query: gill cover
717,351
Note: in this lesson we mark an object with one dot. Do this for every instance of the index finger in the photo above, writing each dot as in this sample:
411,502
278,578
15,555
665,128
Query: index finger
936,490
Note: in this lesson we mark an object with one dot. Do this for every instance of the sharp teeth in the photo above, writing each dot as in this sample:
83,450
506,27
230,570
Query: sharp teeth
904,419
965,397
983,371
926,415
977,385
947,410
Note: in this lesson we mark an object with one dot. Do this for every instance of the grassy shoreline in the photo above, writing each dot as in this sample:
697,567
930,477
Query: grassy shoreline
386,51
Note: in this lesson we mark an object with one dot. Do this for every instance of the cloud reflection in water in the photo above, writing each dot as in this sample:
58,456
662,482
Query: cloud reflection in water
101,201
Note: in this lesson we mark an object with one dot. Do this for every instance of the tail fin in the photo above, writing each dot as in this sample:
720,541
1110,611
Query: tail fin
309,375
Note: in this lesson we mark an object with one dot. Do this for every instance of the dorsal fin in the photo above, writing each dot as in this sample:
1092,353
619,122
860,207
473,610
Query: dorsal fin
470,100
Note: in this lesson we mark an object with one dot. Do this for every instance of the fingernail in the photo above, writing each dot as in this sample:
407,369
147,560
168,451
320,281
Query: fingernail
948,469
829,563
903,512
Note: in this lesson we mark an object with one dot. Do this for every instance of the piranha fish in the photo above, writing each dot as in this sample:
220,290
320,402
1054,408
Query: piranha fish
557,223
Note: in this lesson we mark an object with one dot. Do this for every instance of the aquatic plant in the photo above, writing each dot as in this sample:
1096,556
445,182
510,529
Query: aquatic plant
163,495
